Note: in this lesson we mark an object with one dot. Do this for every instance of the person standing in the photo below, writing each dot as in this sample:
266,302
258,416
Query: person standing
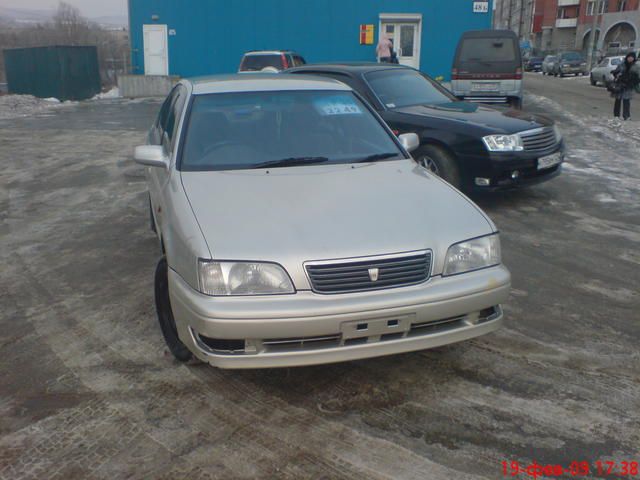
383,50
626,79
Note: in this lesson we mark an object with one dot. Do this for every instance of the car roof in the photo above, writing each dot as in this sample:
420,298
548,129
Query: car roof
268,52
261,83
348,67
489,34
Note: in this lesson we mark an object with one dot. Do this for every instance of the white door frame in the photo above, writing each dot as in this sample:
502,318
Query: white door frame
161,28
400,18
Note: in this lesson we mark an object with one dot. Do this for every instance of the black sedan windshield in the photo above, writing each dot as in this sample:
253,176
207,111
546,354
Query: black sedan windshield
230,131
403,87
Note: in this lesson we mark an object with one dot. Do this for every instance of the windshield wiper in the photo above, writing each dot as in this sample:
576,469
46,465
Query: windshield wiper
291,161
377,156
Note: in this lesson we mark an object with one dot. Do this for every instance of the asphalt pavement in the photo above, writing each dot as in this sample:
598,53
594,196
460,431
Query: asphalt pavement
88,390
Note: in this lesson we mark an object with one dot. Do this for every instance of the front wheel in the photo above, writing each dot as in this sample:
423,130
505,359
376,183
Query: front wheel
440,162
165,315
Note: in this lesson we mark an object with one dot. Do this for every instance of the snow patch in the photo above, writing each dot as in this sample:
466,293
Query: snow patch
113,93
16,106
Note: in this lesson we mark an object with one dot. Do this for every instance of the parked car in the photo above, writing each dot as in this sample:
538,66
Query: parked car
534,64
570,63
602,72
269,61
487,68
549,64
473,147
296,229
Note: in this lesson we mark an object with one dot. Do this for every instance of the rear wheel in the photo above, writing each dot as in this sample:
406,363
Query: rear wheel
592,80
440,162
165,315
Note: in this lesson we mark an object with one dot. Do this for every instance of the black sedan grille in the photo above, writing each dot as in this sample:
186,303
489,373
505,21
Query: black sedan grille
538,140
373,273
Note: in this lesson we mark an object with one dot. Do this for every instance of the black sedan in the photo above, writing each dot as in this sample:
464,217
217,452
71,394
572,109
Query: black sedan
472,146
534,64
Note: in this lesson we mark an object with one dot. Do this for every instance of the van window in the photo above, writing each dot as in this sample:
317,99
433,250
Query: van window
490,49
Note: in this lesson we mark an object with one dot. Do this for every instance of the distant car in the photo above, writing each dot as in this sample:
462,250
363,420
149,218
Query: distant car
487,68
549,64
296,229
534,64
602,72
570,63
471,146
269,61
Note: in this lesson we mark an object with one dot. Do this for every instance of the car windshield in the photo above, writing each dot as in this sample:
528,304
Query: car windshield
401,87
231,131
571,56
255,63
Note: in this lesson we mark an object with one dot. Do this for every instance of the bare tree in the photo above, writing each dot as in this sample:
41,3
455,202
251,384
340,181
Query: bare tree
69,27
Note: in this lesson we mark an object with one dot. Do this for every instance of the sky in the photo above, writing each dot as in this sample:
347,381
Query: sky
88,8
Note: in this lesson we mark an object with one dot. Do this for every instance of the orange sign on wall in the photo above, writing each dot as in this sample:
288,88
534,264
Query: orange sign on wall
366,34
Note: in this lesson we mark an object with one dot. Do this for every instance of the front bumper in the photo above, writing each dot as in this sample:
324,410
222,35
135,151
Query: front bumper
501,167
309,328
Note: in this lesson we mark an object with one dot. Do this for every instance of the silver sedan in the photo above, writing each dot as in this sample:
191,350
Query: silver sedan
296,229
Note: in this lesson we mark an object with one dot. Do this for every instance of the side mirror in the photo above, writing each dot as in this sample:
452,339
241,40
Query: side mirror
151,156
409,141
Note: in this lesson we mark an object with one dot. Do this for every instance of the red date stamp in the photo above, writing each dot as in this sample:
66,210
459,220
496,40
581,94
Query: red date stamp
602,468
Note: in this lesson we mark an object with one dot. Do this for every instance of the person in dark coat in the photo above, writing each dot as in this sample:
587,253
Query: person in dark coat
626,79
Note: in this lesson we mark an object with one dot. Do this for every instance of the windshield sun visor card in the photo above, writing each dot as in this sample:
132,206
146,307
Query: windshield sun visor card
337,105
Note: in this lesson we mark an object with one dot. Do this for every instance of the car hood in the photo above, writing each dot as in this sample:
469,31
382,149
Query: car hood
468,114
298,214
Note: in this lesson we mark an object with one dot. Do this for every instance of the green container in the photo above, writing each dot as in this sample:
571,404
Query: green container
63,72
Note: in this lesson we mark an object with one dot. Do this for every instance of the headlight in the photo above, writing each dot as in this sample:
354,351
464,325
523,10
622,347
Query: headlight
472,255
503,143
243,278
557,133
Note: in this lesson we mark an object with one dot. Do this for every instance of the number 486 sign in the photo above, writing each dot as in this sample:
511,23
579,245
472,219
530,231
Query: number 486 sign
480,7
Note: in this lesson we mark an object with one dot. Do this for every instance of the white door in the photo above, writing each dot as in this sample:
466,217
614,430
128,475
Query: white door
156,55
406,41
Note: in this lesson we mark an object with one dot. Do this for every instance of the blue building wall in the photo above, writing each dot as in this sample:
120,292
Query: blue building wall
211,35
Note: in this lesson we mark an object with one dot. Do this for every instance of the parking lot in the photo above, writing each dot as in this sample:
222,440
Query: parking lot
88,390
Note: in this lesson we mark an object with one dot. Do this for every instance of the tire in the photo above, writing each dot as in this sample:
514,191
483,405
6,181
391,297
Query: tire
152,220
165,315
439,162
516,103
592,80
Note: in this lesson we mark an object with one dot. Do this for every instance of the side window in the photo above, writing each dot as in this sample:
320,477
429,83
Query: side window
173,118
298,61
161,120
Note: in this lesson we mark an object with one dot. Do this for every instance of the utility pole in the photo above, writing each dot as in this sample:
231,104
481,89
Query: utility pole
520,21
509,19
592,38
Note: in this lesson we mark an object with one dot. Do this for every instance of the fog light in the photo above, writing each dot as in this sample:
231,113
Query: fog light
483,182
515,174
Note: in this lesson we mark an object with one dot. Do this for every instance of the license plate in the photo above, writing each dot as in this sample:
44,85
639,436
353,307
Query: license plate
485,87
549,160
376,327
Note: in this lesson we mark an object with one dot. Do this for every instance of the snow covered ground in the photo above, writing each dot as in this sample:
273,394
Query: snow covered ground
16,106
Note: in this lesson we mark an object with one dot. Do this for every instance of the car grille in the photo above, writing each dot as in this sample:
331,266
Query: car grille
342,276
539,139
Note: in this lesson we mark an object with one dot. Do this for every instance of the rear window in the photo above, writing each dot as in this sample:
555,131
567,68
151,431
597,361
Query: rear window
616,61
255,63
490,49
